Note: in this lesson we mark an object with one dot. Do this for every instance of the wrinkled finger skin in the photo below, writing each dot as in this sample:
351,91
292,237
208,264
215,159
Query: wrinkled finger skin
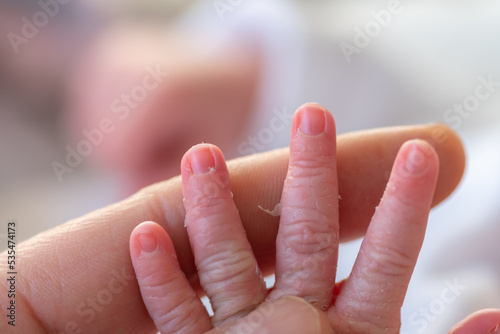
372,296
168,296
308,237
71,264
227,269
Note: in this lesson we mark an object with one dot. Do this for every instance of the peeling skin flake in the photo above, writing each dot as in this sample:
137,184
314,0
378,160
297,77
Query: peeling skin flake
275,212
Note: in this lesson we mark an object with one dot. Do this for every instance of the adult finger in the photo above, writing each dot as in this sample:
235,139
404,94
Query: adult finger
308,236
374,292
291,315
482,322
166,292
227,268
98,242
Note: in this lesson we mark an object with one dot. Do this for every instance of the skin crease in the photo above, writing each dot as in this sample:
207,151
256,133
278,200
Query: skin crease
71,264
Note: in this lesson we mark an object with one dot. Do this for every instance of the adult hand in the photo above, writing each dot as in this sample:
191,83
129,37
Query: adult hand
78,277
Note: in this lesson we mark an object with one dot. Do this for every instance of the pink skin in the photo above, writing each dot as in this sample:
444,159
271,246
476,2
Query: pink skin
227,268
369,301
484,321
151,248
308,237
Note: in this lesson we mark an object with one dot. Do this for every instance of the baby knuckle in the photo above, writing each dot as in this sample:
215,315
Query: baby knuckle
390,261
311,168
213,209
207,198
308,237
177,320
226,266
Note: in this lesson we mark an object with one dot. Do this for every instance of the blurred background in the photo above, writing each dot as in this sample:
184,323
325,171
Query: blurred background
101,98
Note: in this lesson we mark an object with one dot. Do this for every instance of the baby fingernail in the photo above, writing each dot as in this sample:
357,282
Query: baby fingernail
147,242
202,159
312,120
417,161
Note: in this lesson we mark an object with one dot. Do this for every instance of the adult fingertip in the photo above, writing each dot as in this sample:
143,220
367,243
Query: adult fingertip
451,152
289,314
302,317
320,323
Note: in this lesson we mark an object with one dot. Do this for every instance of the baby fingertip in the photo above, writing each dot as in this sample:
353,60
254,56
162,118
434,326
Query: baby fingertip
419,156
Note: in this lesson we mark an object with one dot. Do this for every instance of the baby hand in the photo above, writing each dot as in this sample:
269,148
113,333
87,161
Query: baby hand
368,301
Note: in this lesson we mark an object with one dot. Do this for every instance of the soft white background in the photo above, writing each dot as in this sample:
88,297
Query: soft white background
427,59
